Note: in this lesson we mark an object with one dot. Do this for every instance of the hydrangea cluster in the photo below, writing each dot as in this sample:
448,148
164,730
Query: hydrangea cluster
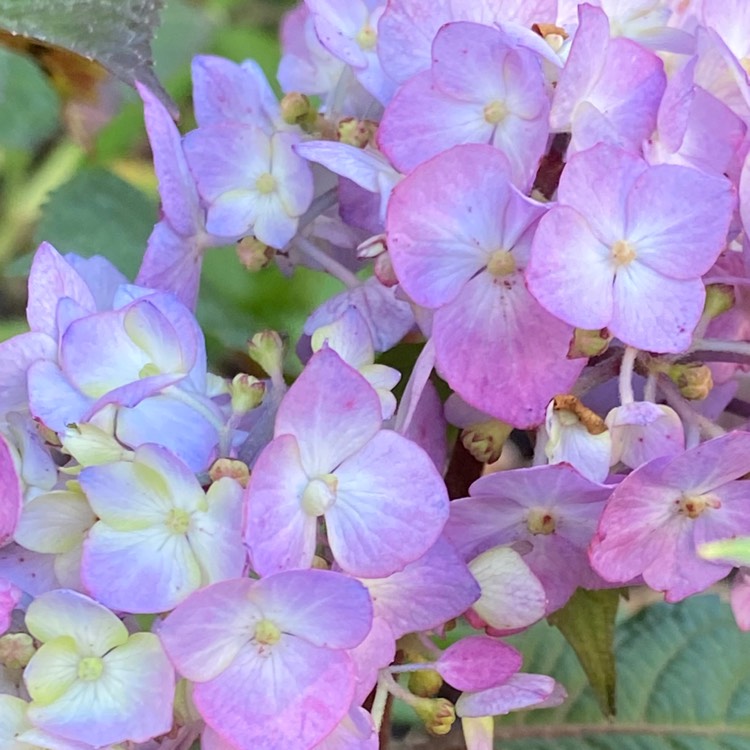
553,199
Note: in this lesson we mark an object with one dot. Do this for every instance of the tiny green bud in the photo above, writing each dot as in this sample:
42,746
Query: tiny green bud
485,440
438,714
589,343
719,299
229,467
357,133
267,349
247,393
254,254
693,379
425,683
295,108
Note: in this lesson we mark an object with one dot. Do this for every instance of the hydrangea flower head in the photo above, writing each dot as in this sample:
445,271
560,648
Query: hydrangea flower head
91,681
660,513
270,666
383,501
626,245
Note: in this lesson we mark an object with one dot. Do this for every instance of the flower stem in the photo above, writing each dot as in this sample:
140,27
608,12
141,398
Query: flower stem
626,375
329,264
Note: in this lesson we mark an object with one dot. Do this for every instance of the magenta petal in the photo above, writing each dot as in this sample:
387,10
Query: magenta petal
179,197
203,647
654,312
446,217
52,399
17,354
521,691
426,593
51,279
323,607
711,464
678,219
570,272
12,497
331,410
478,663
172,263
421,121
290,697
278,533
597,183
502,352
390,508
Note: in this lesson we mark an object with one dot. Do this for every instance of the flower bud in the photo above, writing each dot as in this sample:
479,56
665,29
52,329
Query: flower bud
247,393
357,133
295,109
425,683
589,343
693,379
383,269
371,247
438,714
267,349
229,467
320,563
719,299
485,440
254,254
16,650
92,446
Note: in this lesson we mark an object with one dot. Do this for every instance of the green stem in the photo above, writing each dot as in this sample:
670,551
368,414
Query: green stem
23,201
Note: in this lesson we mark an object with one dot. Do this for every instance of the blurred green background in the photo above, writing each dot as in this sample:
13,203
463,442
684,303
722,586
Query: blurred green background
95,192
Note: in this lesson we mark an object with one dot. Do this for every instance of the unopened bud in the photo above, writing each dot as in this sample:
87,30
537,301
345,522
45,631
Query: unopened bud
719,299
229,467
254,254
371,247
295,108
357,133
16,650
383,269
267,349
438,714
247,393
91,446
589,343
425,683
185,711
693,379
485,440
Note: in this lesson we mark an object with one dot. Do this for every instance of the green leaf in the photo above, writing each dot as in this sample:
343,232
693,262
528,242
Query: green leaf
97,213
234,303
30,107
588,623
683,684
115,33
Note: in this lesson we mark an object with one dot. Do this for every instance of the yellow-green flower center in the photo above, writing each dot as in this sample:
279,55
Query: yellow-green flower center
495,112
148,370
367,38
623,253
540,522
266,183
178,521
692,507
501,263
320,494
266,633
90,668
